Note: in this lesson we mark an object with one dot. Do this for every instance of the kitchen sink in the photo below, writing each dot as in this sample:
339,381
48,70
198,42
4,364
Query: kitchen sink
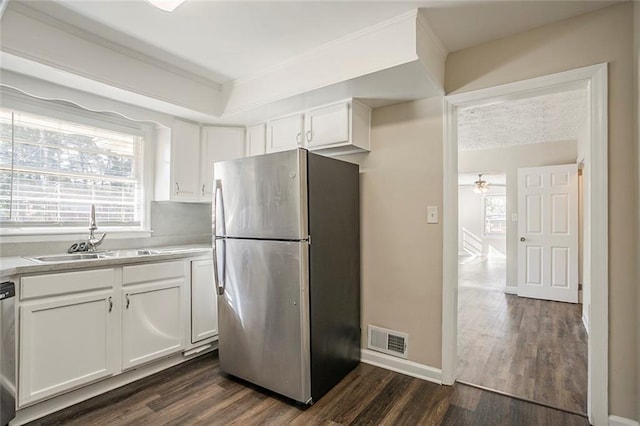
68,257
74,257
111,254
131,253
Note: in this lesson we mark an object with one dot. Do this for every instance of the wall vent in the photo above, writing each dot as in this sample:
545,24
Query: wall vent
388,341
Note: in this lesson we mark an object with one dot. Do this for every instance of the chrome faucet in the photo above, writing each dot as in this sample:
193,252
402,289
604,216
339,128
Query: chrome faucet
93,242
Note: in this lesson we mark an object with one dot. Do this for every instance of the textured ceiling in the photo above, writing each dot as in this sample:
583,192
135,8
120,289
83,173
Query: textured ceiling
552,117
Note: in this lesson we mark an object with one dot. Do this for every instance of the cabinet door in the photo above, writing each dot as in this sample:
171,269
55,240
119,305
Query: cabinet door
256,139
152,321
218,144
285,133
66,342
185,161
204,302
327,125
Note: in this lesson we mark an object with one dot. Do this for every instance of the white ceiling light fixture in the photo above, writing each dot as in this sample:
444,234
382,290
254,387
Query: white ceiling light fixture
166,5
481,185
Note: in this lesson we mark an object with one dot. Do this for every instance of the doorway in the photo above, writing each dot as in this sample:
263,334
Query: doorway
593,80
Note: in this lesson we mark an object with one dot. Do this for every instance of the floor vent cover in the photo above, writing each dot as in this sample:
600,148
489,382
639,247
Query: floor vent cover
388,341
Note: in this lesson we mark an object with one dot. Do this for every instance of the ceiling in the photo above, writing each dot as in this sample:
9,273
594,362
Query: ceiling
224,40
551,117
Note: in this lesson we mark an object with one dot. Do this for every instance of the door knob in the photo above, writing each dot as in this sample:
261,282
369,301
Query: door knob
523,239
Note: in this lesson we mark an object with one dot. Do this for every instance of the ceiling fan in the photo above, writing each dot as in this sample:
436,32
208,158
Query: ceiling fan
481,185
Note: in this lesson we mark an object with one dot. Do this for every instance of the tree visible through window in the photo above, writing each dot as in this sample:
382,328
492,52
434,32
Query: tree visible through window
495,214
51,171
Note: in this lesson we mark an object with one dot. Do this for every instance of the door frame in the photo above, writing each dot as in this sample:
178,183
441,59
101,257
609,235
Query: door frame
596,263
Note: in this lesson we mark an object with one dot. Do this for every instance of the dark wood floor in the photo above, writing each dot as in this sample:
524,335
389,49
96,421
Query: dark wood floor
197,392
534,349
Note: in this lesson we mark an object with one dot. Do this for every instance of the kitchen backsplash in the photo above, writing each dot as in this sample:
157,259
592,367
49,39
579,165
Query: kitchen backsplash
172,224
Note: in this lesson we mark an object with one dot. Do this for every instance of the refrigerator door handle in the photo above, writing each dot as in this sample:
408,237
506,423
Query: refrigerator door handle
220,285
219,281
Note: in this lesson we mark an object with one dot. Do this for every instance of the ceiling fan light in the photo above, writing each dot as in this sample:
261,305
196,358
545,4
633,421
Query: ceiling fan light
481,185
166,5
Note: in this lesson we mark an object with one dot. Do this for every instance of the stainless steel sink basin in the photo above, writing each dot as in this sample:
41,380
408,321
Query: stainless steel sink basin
68,257
74,257
131,253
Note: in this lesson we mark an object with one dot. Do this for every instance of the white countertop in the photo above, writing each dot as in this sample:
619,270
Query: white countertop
18,265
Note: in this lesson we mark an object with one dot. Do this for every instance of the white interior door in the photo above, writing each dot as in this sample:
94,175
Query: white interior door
548,232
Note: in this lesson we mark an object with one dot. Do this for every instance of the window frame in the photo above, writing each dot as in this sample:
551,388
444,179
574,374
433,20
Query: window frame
484,215
67,111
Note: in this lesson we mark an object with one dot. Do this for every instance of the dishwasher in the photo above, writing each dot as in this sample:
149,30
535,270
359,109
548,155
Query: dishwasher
7,352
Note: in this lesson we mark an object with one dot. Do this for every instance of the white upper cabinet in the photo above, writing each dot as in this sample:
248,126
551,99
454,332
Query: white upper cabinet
327,126
256,139
335,129
218,144
185,151
184,160
286,133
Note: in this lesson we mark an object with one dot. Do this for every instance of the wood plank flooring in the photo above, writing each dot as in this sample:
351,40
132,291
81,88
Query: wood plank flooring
197,393
534,349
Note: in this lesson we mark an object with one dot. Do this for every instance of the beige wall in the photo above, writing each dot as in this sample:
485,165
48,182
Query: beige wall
508,160
636,51
601,36
401,253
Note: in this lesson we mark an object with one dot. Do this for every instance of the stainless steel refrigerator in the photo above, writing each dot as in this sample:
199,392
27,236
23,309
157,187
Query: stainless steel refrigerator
287,268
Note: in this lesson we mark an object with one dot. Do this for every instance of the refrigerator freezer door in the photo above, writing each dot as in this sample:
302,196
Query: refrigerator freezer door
262,197
263,315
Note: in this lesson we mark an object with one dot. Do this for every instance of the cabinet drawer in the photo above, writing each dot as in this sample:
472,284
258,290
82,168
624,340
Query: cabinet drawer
66,282
152,272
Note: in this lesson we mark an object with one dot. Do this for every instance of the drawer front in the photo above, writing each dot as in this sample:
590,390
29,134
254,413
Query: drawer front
66,283
153,272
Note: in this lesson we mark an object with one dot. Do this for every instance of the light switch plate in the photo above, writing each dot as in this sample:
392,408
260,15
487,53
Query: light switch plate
432,214
514,217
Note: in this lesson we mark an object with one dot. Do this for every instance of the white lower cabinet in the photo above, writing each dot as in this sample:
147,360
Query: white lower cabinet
152,321
204,301
153,311
65,342
79,327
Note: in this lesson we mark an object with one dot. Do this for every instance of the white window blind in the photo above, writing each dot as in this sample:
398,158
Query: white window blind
52,170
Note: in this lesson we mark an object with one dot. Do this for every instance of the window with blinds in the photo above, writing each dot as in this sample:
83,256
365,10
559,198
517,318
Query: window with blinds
52,170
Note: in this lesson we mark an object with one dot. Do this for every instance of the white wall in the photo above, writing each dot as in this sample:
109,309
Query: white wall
470,217
508,160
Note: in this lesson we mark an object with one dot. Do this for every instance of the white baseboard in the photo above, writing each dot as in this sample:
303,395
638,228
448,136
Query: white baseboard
621,421
399,365
510,290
